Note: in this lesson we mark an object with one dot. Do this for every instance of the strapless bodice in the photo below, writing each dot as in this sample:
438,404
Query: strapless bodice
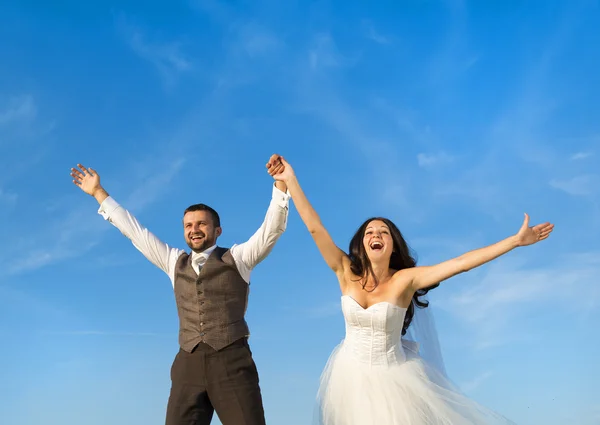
373,335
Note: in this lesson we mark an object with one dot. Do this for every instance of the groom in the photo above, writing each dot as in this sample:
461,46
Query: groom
213,369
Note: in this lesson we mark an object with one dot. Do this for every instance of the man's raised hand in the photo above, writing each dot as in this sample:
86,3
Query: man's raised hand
88,180
279,168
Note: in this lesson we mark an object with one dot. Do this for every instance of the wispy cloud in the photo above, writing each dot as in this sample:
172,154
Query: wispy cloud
476,382
324,53
435,245
22,122
7,198
107,333
166,56
253,50
372,34
489,303
585,185
518,133
64,234
219,11
155,182
581,155
109,261
454,57
16,298
323,310
330,307
256,40
429,160
18,108
243,34
354,130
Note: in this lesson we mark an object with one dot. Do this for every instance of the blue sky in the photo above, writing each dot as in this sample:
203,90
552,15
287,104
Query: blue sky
452,118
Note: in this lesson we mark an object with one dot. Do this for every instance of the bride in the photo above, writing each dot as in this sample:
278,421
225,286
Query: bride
376,377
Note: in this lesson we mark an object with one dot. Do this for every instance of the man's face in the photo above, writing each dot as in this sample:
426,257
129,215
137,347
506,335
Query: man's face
199,230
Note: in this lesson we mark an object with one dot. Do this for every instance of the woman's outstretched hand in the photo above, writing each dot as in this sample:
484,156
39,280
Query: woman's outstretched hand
530,235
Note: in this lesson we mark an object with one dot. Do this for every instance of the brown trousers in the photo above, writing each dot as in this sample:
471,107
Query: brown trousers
206,380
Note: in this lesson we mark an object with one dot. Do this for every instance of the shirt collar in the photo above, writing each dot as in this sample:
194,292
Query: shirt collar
204,254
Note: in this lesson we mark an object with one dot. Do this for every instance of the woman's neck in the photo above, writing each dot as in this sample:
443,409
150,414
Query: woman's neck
381,273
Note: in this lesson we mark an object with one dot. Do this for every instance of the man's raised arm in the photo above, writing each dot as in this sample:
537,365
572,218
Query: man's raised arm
157,252
250,253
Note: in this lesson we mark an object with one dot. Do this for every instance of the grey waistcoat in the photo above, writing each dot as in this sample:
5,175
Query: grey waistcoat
211,305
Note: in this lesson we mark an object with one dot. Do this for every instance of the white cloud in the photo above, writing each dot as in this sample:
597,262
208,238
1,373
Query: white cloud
106,333
355,131
581,155
64,235
324,310
476,382
166,56
219,11
18,108
40,307
7,198
584,185
257,41
324,53
154,182
454,58
372,34
491,302
429,160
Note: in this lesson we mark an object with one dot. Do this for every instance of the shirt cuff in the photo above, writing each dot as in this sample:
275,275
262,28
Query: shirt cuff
107,207
280,198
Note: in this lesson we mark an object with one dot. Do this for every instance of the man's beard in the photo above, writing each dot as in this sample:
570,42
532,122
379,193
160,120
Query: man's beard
206,243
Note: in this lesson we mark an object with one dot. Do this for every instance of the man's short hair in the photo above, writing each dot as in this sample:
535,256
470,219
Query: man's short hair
203,207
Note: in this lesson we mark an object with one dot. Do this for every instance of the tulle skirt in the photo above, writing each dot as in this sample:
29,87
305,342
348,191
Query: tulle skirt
407,393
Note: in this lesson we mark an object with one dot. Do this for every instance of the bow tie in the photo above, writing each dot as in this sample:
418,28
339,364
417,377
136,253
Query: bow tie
198,261
199,258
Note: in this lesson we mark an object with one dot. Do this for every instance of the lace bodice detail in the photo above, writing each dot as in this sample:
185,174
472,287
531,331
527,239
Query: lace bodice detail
373,335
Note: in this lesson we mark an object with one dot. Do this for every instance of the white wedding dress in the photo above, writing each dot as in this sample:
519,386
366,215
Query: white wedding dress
376,378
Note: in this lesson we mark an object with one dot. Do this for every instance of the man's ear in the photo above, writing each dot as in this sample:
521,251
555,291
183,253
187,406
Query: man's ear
218,231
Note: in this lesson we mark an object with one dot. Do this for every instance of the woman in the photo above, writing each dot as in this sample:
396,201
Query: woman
374,377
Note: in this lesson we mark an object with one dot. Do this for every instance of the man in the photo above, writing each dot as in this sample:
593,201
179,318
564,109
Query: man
214,368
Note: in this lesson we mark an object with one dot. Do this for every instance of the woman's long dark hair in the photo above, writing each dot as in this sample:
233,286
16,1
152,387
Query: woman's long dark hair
401,259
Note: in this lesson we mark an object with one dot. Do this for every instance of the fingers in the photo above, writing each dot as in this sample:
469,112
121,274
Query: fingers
276,169
77,175
85,170
277,165
82,172
544,229
543,236
274,166
273,160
